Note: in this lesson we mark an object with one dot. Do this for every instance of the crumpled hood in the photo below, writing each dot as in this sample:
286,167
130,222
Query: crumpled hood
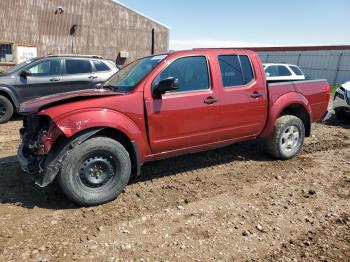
35,105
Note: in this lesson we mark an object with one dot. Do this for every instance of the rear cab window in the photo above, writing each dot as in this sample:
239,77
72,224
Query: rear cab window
236,70
192,73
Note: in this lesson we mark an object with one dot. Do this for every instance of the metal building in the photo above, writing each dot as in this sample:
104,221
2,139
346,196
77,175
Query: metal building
327,62
93,27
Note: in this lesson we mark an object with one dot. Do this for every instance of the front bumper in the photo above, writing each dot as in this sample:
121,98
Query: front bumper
32,165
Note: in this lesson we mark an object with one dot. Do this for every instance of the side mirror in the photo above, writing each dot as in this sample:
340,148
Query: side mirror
25,73
166,85
267,74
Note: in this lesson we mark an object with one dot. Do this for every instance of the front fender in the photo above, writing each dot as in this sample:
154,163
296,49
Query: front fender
74,123
12,95
283,102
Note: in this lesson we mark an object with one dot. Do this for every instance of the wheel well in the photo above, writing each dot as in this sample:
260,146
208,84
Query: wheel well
300,112
5,94
124,140
115,134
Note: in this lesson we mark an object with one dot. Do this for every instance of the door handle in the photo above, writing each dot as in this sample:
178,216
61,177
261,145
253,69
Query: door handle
256,95
210,101
93,77
55,79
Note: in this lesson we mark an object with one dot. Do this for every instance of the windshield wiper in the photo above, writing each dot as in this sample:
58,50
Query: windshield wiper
110,87
107,87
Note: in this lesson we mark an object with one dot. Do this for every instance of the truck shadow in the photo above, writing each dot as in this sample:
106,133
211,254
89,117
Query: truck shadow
244,151
17,189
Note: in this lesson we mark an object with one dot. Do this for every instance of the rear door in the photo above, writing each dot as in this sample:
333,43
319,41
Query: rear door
187,117
78,74
45,79
243,105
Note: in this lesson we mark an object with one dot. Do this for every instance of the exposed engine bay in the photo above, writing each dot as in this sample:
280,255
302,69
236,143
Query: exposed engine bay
35,128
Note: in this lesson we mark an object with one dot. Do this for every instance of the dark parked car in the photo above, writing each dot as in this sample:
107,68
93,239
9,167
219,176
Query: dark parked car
50,75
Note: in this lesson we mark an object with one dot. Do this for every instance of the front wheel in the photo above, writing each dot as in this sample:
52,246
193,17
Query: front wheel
95,172
287,137
6,109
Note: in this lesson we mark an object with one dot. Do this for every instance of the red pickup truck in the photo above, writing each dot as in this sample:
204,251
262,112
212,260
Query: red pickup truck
158,107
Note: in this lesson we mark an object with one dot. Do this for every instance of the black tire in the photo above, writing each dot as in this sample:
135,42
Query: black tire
6,110
283,134
89,163
340,114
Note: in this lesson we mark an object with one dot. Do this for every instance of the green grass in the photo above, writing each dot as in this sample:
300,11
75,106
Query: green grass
334,87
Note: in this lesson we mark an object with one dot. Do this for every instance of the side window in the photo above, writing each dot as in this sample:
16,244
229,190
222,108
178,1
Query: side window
284,71
231,71
75,66
100,66
296,70
46,68
272,70
192,73
247,69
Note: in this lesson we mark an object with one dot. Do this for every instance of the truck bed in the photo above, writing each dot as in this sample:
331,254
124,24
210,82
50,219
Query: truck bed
315,91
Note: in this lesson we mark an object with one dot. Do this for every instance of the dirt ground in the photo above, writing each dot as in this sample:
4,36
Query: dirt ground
231,204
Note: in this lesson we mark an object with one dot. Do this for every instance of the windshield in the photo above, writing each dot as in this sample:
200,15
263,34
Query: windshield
131,75
18,67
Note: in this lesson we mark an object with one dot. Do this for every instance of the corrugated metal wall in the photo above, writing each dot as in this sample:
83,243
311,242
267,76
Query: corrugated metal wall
331,65
103,28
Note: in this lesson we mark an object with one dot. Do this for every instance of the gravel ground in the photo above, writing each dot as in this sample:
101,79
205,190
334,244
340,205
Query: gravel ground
230,204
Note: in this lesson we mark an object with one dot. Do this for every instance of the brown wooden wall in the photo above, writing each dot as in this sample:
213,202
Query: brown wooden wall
103,28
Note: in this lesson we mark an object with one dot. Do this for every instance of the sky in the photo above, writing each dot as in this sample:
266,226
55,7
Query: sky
248,23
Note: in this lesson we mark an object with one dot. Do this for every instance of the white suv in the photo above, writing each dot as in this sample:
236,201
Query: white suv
283,72
341,101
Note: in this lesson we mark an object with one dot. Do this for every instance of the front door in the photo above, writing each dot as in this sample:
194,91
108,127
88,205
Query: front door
187,117
45,78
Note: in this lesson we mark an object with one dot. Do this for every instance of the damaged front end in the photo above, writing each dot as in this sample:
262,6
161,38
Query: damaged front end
39,133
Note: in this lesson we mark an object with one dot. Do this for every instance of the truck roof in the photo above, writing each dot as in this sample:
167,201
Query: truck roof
209,51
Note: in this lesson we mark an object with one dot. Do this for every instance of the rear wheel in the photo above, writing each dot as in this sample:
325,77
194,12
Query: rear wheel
95,172
287,137
6,109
